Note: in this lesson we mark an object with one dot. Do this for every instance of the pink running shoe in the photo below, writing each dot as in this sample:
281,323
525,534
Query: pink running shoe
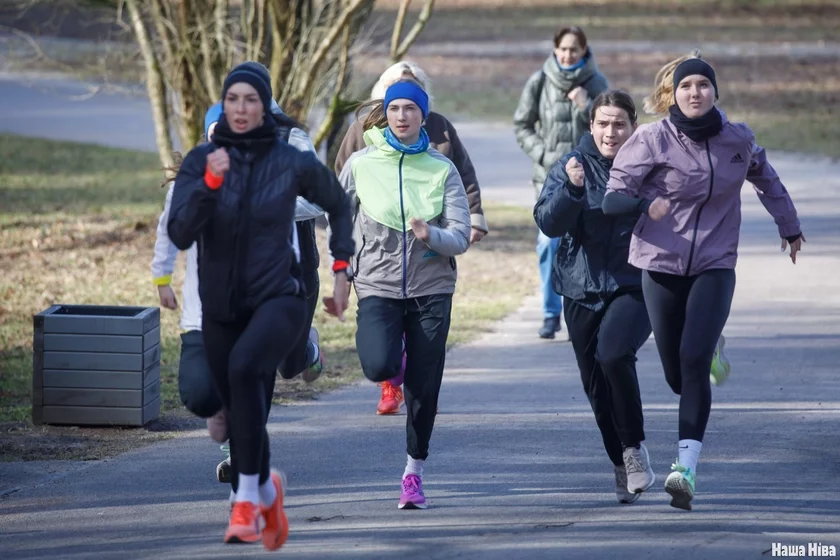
412,493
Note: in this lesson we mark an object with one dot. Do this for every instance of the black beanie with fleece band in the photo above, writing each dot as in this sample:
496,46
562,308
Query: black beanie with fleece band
254,74
692,67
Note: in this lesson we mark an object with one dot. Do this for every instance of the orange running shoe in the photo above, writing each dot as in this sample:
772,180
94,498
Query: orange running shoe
276,529
244,526
391,399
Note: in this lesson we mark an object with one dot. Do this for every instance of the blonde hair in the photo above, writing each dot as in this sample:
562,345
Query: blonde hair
399,71
658,102
375,108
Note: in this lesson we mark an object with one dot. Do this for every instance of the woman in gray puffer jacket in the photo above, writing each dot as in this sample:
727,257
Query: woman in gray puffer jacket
552,117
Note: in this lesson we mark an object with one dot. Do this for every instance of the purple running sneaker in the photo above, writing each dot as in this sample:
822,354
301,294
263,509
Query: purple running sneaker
412,493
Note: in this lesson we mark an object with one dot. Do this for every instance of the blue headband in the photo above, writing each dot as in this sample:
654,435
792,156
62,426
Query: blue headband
408,90
213,114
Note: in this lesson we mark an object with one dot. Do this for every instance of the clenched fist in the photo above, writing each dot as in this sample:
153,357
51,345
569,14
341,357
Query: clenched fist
218,162
658,208
574,169
420,228
579,97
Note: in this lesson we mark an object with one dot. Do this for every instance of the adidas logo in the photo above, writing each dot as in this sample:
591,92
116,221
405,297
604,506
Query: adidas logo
737,158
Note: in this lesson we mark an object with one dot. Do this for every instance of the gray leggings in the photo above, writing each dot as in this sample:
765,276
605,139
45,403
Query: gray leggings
688,314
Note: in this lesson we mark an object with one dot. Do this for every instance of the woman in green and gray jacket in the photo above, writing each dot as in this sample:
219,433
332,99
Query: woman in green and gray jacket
411,219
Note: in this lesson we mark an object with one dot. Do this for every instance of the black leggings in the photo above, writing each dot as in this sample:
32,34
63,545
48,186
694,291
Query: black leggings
302,356
381,323
605,344
243,357
688,314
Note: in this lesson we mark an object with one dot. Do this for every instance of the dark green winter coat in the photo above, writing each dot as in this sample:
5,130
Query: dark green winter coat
547,123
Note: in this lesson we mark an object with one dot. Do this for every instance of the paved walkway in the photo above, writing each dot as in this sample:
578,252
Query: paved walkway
517,469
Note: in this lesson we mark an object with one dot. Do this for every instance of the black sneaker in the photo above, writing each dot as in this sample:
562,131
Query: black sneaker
550,326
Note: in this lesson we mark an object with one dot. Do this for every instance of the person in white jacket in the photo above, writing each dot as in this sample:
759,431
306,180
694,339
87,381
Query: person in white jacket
195,383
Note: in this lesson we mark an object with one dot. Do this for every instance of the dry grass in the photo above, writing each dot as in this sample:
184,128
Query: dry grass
77,225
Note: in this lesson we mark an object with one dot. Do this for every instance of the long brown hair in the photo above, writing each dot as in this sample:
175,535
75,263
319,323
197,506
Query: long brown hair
658,102
374,110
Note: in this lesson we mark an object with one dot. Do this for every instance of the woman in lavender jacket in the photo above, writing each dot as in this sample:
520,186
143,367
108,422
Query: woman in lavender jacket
685,173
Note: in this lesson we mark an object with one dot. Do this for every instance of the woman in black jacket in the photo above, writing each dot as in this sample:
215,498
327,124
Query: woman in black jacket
236,197
602,293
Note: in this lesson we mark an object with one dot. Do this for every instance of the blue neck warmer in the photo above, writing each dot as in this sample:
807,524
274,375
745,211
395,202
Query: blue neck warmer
579,64
417,148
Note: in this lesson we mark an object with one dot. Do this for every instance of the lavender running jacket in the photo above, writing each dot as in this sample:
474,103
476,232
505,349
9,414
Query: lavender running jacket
702,181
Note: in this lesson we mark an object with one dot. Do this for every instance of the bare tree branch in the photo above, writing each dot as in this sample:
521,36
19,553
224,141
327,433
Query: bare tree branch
326,44
335,110
220,23
276,60
398,27
261,10
187,46
165,32
209,56
422,20
154,84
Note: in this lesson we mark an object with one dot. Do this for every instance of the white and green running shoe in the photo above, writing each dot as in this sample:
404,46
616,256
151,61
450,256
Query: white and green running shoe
680,485
720,364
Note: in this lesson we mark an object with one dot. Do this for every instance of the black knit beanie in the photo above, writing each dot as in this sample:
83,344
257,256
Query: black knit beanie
255,75
691,67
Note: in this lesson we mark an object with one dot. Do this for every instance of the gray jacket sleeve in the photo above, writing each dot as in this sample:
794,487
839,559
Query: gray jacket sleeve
304,210
453,236
525,120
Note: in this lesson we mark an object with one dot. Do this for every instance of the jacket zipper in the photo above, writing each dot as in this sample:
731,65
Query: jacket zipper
359,257
700,210
405,235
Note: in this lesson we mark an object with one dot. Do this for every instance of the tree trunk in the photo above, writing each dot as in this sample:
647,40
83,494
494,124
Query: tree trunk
192,96
155,85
